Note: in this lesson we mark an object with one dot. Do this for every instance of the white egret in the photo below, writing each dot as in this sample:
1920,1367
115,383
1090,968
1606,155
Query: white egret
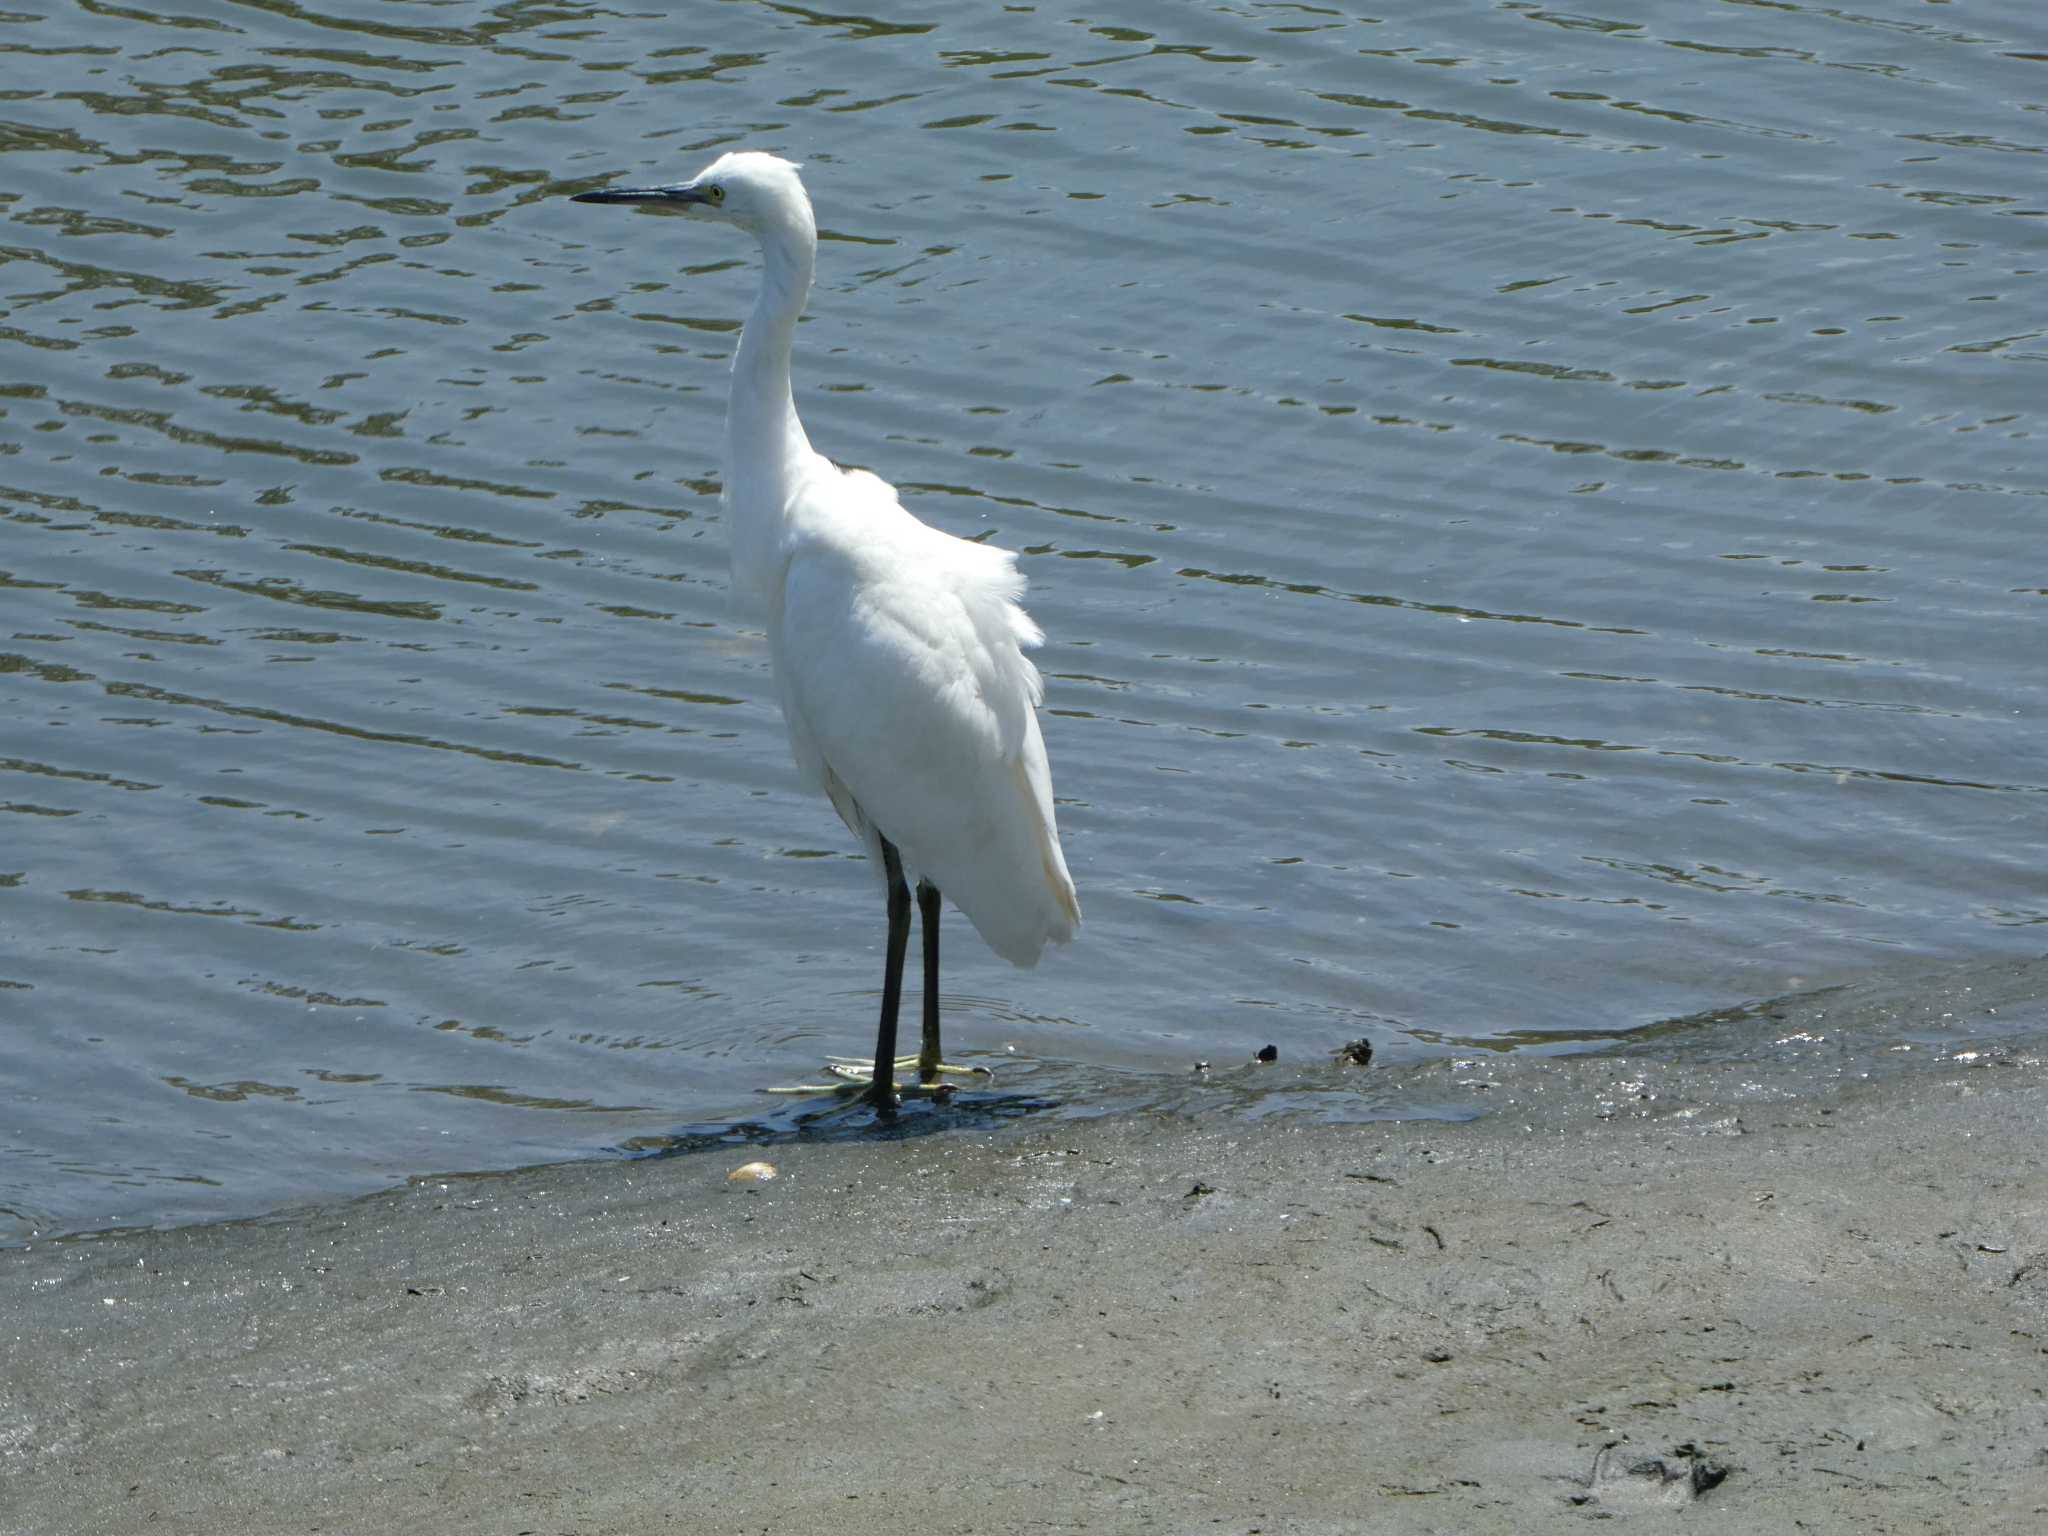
898,650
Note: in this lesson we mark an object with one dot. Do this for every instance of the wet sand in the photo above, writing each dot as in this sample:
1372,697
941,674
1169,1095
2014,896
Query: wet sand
1827,1315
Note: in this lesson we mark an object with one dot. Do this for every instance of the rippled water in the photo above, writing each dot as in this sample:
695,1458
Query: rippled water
1539,517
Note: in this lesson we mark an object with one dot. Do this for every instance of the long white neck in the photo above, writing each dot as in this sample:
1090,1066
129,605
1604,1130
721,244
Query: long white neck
765,444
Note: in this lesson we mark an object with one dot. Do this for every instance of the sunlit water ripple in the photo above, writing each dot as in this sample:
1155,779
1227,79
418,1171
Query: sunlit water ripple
1538,519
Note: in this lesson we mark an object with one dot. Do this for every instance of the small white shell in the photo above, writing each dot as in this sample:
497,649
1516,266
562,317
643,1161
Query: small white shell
751,1173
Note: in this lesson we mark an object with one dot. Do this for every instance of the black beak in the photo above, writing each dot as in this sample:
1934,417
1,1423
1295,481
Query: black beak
675,195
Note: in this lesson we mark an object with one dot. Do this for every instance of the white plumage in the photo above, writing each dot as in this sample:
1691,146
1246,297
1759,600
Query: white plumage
898,650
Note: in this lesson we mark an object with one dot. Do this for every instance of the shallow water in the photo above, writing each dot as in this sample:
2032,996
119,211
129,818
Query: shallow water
1538,519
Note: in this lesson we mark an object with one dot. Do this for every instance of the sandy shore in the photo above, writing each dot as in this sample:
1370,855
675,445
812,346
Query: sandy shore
1837,1307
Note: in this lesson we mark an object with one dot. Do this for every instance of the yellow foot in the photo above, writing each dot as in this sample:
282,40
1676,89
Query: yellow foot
861,1069
853,1075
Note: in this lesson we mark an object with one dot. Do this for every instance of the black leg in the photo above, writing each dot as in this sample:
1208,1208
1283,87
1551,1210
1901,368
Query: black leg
883,1092
928,1056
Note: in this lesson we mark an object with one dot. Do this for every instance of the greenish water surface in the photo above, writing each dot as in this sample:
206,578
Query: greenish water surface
1538,515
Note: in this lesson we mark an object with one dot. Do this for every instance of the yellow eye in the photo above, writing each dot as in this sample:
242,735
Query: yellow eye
716,194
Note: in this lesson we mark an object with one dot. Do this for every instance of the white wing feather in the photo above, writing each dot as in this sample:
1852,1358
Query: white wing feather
899,651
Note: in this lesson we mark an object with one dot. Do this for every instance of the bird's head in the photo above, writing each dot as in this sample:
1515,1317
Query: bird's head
761,193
